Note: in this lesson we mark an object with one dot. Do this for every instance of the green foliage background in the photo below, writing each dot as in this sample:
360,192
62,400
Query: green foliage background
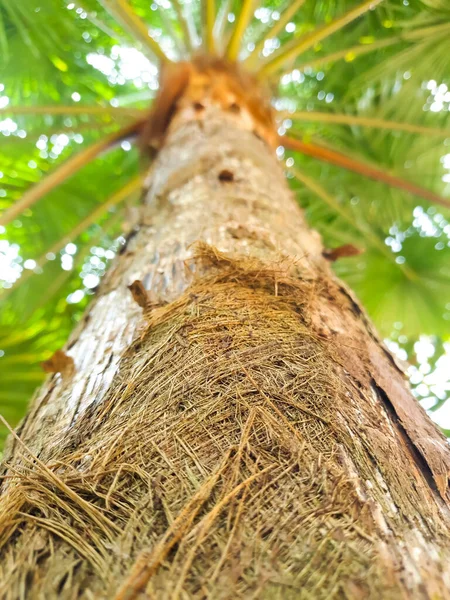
60,60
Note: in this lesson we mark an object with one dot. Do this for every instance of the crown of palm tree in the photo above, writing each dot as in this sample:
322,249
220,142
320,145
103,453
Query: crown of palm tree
362,109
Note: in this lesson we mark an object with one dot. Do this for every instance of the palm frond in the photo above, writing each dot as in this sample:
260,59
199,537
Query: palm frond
126,16
66,170
169,21
187,37
348,54
93,18
220,25
134,186
61,280
79,109
355,120
336,158
346,214
372,45
192,24
278,26
296,47
4,49
208,18
242,21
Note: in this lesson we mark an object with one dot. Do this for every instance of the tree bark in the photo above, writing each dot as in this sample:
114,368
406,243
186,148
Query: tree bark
245,435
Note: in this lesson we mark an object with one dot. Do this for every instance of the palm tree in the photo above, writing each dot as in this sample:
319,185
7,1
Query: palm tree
223,420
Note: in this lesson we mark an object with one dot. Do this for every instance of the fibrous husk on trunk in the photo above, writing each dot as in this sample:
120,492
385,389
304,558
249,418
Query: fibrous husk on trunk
216,465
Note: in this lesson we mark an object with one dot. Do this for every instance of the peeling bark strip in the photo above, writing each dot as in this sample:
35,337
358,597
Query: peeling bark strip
249,436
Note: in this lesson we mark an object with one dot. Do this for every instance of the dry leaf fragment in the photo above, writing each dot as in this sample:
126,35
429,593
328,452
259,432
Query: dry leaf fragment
60,362
334,254
139,293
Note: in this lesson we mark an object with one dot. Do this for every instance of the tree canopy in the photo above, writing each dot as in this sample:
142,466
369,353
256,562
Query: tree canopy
361,91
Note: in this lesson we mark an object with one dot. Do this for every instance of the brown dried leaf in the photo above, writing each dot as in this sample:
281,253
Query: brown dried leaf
59,363
334,254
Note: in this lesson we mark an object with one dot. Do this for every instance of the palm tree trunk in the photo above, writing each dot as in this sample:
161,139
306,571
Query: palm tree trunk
241,433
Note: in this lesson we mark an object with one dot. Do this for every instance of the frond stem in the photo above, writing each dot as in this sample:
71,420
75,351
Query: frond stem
123,13
252,60
59,109
240,26
66,170
341,160
209,17
187,38
293,49
342,119
127,190
349,54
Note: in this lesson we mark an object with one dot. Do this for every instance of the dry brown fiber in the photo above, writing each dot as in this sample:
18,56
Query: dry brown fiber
218,472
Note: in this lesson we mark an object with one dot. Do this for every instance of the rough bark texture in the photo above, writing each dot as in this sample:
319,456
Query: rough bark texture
249,437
